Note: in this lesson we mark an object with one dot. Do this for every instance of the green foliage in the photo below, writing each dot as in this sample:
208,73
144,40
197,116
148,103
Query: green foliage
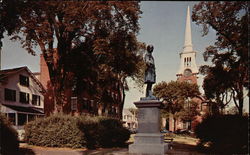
224,133
55,131
8,137
176,97
175,94
76,132
86,44
228,75
103,132
112,133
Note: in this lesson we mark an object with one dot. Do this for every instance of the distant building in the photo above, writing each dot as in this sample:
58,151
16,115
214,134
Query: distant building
129,119
188,72
21,96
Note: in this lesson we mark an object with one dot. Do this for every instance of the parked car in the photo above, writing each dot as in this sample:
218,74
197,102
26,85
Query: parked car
133,131
184,131
164,131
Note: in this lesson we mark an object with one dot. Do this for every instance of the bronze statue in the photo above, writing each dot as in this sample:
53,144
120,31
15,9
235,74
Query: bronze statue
150,75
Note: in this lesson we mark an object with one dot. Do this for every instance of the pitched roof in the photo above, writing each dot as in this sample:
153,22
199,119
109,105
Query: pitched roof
126,112
7,72
4,74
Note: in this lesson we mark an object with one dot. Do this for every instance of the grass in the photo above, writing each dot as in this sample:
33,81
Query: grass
182,144
185,139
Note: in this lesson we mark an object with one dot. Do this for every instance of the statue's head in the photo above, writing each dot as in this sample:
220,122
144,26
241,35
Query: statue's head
150,48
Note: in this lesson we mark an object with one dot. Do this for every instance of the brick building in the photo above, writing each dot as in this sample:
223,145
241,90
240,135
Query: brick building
85,104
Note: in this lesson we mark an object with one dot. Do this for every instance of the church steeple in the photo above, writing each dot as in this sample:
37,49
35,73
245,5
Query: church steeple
188,68
188,37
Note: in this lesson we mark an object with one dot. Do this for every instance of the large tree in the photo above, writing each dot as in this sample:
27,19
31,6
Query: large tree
177,97
81,41
228,75
8,17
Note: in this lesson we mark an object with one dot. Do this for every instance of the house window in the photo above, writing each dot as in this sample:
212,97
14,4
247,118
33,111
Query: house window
85,103
24,80
24,97
36,100
9,94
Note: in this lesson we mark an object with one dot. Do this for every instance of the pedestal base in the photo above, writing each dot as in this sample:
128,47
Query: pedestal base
148,143
159,149
148,140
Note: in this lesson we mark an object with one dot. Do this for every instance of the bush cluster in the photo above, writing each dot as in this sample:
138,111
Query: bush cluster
76,132
224,133
103,132
55,131
8,137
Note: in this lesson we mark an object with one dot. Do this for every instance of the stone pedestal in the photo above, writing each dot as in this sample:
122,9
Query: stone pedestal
148,140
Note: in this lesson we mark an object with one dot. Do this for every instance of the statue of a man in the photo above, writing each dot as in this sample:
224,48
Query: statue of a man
150,75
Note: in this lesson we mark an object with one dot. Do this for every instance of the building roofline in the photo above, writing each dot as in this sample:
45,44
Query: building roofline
9,72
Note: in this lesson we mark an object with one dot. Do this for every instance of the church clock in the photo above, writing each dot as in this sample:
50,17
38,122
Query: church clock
187,72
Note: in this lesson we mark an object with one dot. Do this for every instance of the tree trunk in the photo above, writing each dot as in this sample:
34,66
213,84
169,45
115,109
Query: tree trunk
240,98
241,101
174,124
121,104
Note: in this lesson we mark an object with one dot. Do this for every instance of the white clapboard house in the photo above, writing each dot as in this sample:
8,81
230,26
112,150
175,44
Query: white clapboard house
21,96
129,119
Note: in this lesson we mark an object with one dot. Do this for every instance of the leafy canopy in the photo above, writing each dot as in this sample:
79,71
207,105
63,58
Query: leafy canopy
83,42
175,94
228,75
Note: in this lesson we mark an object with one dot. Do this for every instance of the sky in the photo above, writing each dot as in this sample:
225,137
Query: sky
162,25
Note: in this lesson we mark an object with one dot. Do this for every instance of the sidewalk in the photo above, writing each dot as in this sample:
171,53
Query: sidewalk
178,149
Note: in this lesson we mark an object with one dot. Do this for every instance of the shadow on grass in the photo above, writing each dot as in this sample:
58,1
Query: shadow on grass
219,150
26,151
184,149
188,149
107,150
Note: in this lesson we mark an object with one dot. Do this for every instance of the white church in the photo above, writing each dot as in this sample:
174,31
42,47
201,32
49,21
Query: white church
188,71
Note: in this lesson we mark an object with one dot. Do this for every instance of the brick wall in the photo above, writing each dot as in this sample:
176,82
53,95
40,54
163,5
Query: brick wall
44,75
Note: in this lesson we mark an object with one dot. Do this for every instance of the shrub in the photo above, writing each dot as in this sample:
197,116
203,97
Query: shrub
112,133
55,131
103,132
8,137
75,132
224,133
89,126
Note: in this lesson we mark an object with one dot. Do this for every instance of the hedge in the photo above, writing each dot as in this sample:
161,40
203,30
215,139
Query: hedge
76,132
105,132
224,133
8,137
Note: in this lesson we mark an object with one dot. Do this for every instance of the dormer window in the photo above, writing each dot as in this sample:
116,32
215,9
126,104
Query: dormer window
24,80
